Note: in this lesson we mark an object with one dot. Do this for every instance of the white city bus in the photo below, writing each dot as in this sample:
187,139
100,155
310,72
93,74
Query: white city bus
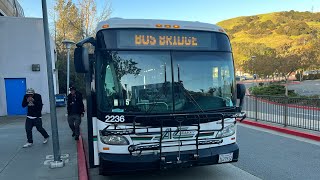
161,94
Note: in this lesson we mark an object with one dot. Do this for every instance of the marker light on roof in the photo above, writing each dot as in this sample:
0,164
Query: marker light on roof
220,30
159,25
176,26
105,26
167,26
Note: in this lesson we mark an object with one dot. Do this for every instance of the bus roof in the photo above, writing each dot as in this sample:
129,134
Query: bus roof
155,23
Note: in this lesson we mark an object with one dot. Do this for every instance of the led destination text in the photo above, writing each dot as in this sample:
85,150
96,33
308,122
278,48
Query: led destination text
148,40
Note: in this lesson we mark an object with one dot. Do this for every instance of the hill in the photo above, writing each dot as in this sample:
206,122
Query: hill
250,34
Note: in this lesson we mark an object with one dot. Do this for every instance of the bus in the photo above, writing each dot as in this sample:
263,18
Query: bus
161,94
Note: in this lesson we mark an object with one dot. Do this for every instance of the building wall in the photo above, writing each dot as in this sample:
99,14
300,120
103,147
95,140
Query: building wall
21,45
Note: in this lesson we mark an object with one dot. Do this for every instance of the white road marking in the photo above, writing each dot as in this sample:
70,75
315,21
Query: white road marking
50,158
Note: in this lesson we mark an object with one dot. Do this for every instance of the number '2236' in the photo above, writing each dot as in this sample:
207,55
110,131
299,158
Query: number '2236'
114,118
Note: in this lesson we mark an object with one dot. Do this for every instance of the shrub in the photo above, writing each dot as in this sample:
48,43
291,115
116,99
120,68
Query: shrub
311,76
271,90
304,77
317,76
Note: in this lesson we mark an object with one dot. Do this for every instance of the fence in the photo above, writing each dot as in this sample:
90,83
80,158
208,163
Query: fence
294,112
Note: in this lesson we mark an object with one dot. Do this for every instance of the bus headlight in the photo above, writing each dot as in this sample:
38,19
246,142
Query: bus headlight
227,131
114,140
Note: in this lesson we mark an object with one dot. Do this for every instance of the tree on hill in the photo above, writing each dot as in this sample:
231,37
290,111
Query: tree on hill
294,28
267,25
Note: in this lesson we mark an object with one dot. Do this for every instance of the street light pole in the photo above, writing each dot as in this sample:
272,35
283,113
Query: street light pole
57,163
255,65
68,44
68,71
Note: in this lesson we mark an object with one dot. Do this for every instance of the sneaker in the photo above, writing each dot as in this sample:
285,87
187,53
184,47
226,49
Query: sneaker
27,145
45,140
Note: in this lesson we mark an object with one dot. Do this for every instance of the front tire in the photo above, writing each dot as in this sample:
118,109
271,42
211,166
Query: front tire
102,171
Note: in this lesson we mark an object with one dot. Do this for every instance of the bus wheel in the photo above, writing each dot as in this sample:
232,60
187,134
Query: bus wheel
102,171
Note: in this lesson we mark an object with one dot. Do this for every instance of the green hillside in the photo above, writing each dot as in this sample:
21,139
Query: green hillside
249,34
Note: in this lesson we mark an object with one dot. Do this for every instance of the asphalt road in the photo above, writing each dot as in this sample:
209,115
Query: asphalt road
270,155
307,87
217,172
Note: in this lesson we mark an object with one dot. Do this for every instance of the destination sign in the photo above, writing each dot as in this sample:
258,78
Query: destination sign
164,39
158,39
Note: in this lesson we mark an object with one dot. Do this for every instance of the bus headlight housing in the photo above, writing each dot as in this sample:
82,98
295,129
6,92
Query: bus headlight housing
227,131
114,140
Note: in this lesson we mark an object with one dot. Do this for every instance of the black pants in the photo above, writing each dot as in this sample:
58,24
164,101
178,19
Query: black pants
74,121
38,124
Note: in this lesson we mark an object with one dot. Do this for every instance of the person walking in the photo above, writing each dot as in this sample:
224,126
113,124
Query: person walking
33,102
75,108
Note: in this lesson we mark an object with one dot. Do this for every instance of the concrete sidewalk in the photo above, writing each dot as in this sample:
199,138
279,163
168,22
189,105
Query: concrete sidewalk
18,163
299,132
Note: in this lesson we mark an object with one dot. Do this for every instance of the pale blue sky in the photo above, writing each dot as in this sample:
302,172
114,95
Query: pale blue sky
210,11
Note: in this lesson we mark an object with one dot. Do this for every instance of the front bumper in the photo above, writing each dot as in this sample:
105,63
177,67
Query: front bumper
111,164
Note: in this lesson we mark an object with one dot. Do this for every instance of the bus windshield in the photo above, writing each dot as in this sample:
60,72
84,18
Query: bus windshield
164,81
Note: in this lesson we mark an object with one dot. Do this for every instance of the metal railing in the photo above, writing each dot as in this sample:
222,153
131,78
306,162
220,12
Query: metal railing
295,112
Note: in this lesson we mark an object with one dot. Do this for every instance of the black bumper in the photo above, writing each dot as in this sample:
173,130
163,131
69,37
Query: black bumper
111,164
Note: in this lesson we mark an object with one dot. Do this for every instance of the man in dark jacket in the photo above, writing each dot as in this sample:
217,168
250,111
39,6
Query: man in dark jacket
34,104
75,109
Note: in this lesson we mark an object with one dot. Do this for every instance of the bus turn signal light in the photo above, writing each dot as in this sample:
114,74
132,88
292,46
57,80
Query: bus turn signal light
159,25
176,26
106,148
167,26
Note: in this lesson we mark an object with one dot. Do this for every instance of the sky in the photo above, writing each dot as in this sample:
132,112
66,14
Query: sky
209,11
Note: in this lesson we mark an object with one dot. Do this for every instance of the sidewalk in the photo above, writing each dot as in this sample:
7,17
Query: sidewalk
300,132
18,163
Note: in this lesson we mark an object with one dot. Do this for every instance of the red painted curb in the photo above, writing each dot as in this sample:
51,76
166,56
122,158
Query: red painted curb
283,130
82,165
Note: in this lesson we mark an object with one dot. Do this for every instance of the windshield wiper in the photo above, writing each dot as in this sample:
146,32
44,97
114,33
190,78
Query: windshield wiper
193,101
164,88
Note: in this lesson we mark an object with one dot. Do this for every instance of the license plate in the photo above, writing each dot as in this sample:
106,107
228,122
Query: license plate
225,158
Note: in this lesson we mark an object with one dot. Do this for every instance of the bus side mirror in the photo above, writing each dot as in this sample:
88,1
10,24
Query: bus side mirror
81,60
241,92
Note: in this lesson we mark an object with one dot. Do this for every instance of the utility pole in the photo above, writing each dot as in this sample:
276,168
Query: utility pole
57,163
